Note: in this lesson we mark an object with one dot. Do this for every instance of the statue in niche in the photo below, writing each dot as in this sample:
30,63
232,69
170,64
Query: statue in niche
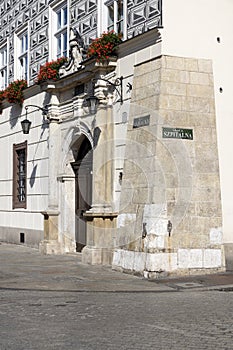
77,53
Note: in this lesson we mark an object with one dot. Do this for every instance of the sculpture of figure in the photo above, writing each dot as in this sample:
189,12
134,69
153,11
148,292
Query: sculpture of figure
77,50
77,53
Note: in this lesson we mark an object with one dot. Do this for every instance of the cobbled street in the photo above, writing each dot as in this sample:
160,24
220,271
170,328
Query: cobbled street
45,305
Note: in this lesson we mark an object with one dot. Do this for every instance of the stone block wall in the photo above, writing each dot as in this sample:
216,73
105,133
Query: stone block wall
170,179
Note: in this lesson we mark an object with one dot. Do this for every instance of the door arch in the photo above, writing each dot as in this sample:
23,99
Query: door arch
82,167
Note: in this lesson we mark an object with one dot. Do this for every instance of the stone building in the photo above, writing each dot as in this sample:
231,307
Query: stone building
142,181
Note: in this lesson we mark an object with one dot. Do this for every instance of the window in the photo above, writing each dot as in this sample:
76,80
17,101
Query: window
58,29
115,16
23,56
21,52
3,68
61,31
19,175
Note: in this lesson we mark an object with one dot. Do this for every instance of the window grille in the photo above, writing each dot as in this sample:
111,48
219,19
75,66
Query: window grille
19,175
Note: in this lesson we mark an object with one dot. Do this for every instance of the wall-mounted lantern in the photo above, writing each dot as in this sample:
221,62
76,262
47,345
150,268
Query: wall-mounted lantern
93,101
26,124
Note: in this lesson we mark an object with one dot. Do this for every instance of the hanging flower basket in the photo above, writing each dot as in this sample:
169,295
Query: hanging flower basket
50,70
104,46
14,92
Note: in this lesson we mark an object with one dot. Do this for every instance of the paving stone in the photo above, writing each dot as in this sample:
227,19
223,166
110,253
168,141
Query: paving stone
56,302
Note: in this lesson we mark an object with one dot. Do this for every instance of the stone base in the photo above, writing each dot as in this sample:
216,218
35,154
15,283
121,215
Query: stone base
228,248
180,262
50,247
32,238
97,256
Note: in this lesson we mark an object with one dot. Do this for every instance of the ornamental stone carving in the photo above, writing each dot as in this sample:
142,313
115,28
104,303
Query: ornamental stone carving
77,53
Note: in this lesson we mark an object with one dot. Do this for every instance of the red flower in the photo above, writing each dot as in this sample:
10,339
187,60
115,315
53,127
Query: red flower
14,92
104,46
50,70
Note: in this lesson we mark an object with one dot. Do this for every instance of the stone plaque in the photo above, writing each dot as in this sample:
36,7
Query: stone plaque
177,133
141,121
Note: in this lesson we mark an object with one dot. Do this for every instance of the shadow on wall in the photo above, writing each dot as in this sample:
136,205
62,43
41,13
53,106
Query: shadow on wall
44,126
96,135
33,176
47,99
15,113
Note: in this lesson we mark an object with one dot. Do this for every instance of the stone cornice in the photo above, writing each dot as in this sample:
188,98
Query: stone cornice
104,215
139,42
50,212
90,69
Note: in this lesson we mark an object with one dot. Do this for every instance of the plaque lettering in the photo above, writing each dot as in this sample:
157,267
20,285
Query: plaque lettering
141,121
177,133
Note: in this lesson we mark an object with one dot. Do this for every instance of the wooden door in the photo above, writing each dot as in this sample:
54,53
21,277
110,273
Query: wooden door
83,202
83,192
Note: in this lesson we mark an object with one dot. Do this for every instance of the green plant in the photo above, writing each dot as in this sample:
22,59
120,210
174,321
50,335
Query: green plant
50,70
14,92
104,46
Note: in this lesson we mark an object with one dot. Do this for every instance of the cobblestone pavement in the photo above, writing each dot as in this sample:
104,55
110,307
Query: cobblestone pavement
49,303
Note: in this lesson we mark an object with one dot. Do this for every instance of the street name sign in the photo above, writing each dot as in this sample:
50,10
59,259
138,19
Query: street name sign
177,133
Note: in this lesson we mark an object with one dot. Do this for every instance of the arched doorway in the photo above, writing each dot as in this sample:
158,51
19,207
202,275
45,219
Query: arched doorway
82,167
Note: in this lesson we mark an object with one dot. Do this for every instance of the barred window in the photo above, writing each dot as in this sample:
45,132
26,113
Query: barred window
19,175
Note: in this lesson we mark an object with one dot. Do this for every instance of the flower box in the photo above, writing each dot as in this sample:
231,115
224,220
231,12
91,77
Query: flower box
105,46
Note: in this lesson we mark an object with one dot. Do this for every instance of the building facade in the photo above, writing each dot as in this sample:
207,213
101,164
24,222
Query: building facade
143,181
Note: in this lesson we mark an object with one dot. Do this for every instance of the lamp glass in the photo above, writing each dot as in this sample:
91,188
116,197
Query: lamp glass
26,124
92,104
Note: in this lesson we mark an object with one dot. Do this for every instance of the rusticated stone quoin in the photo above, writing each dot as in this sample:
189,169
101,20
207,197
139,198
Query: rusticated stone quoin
182,177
